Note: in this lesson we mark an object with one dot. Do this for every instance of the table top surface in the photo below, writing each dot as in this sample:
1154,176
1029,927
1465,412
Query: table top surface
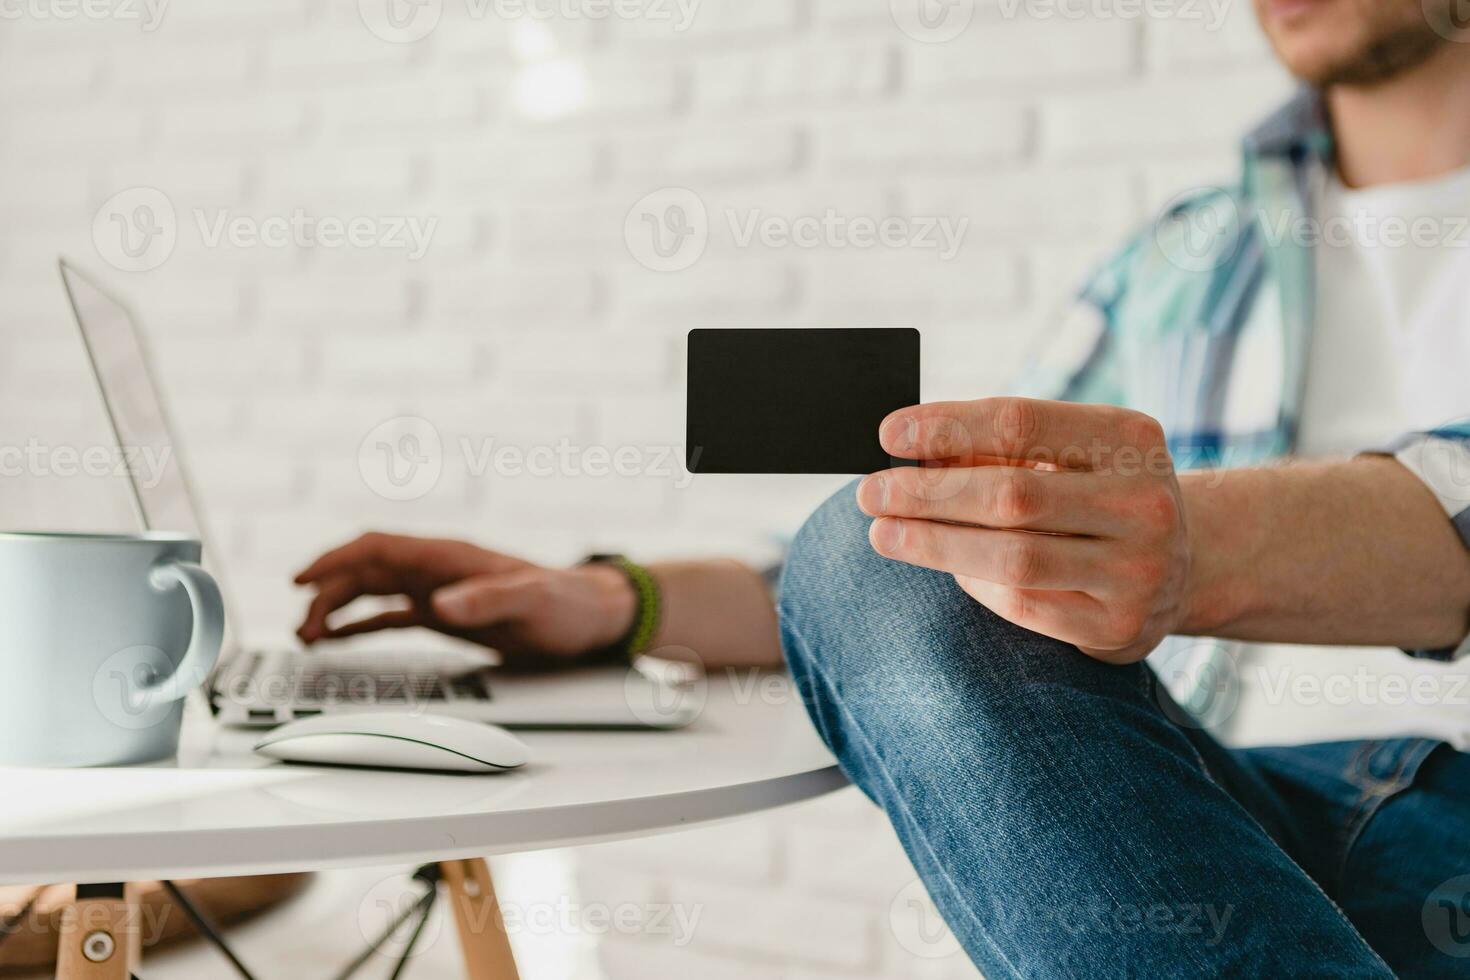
218,810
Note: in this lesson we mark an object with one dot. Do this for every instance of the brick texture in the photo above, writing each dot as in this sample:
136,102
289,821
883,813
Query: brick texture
527,313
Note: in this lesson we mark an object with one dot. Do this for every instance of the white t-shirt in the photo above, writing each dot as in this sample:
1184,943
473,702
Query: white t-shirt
1388,355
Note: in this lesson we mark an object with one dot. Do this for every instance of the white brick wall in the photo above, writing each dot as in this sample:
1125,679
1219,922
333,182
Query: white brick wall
1049,127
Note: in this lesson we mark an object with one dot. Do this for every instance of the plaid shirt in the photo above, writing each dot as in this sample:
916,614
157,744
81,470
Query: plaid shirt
1203,321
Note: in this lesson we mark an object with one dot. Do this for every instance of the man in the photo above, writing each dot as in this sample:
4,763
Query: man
970,634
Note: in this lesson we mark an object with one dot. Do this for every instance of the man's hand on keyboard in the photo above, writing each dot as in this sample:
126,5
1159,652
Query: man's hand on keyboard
531,614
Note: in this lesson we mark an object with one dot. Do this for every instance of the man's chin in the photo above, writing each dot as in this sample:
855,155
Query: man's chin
1381,62
1322,46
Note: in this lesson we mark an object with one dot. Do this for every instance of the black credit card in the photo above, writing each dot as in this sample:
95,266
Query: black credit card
796,400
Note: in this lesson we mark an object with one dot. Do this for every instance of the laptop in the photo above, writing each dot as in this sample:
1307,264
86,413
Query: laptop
259,687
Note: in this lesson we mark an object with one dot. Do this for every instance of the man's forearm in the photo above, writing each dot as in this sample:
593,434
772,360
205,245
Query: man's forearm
1350,552
721,610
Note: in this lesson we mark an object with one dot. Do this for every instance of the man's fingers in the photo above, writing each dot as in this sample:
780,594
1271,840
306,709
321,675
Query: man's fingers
1017,559
369,548
1061,433
488,599
340,588
332,594
1058,501
394,619
1071,617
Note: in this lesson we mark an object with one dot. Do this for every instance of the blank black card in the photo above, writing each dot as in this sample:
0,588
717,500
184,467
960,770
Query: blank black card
796,401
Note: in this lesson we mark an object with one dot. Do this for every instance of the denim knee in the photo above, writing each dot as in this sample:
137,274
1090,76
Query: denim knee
903,653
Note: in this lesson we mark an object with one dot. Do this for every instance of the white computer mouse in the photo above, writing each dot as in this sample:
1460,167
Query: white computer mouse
395,740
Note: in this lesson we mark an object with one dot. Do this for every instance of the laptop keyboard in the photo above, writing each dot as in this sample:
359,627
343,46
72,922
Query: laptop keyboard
380,687
369,679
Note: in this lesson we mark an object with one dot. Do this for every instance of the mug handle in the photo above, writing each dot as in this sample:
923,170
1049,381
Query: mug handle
204,644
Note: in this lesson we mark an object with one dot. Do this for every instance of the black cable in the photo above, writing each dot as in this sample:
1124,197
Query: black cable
429,876
428,909
206,928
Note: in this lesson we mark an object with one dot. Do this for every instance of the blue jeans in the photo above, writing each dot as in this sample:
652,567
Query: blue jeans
1066,826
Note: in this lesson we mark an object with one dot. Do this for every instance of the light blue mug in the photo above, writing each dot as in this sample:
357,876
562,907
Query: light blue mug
101,638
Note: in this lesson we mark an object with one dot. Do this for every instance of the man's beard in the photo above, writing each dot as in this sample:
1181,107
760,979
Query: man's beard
1395,36
1384,57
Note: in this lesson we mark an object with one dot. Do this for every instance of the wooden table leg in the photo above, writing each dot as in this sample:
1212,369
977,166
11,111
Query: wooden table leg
487,953
99,936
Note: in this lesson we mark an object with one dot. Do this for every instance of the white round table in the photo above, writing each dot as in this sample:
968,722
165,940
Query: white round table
217,810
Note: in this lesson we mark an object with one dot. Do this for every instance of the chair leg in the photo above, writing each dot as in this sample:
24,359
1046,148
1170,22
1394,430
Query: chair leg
482,937
99,936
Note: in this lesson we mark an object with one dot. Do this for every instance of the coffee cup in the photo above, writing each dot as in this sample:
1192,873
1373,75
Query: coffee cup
101,638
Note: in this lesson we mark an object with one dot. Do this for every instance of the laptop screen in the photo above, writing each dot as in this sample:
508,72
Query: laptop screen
124,376
121,367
